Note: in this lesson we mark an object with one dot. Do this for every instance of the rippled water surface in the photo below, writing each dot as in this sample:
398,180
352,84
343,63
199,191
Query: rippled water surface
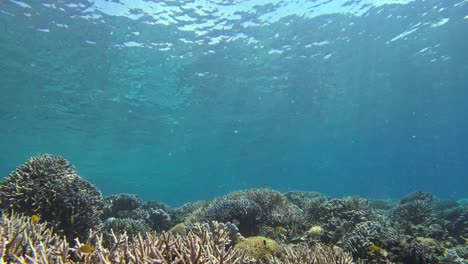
185,100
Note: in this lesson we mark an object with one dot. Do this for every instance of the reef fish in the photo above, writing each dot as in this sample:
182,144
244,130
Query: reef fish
86,248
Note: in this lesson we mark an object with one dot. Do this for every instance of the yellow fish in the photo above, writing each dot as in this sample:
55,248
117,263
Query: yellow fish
280,229
35,219
375,248
86,248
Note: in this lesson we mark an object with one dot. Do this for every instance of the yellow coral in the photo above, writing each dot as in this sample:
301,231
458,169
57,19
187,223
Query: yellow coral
258,247
316,230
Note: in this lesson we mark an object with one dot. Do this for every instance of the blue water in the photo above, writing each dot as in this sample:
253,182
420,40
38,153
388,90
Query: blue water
178,101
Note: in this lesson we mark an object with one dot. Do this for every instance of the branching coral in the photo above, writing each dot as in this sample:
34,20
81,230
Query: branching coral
312,255
201,245
23,241
50,187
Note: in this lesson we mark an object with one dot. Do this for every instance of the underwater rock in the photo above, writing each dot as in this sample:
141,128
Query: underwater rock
48,186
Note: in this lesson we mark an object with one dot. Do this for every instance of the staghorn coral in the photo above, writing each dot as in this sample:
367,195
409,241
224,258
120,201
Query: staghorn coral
246,214
200,245
50,187
22,241
301,254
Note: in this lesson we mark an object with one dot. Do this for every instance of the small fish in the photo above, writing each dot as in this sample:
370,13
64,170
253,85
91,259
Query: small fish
86,248
280,229
35,219
375,248
235,221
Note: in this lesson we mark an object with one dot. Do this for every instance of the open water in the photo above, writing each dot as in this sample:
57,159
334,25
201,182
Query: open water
179,101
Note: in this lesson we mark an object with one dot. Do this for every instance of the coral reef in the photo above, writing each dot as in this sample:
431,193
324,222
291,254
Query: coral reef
47,210
48,186
130,214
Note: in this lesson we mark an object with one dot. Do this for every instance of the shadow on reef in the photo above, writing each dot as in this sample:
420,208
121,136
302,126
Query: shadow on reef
250,226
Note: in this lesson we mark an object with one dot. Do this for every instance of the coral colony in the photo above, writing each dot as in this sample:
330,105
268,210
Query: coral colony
52,215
